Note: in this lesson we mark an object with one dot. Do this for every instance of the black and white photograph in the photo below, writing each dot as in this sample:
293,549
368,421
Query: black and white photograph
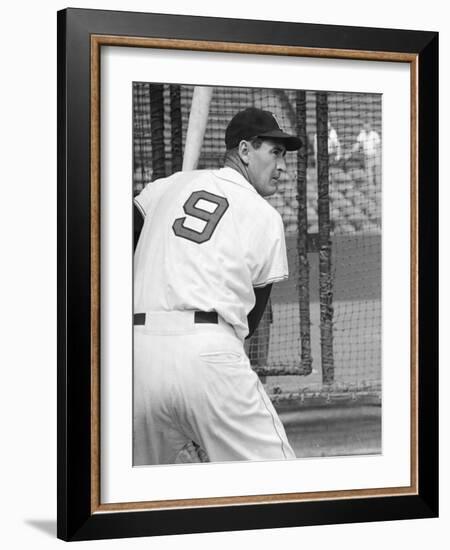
225,275
245,307
257,229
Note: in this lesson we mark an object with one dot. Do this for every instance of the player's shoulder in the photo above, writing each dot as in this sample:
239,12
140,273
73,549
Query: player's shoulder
265,206
162,182
159,182
263,217
186,179
193,175
273,215
152,192
160,185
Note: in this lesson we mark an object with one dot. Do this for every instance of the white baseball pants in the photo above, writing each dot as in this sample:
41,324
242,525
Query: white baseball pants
193,382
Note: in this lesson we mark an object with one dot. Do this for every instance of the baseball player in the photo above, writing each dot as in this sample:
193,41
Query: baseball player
369,142
209,251
334,146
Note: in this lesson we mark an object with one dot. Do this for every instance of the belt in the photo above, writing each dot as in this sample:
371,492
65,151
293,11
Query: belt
210,317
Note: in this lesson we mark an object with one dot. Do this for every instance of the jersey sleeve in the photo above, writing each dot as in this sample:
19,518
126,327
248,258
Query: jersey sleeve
152,192
142,201
268,252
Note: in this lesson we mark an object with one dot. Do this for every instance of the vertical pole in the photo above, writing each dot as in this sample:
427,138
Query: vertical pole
325,277
157,130
302,236
176,127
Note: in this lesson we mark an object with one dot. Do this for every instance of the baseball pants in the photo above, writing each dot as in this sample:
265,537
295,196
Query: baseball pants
193,382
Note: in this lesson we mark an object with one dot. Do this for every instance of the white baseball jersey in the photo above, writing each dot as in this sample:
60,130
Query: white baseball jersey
370,142
334,146
208,239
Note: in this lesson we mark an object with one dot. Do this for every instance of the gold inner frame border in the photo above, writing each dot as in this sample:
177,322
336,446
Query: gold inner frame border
97,41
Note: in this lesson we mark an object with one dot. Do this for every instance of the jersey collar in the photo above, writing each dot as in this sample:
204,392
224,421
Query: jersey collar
230,174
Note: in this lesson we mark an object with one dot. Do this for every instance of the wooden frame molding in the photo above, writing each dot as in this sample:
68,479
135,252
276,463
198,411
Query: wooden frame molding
81,36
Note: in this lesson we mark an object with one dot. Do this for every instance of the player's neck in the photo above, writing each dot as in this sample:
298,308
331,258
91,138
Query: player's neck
232,161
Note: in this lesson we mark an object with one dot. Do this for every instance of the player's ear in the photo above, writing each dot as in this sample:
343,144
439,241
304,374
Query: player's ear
243,151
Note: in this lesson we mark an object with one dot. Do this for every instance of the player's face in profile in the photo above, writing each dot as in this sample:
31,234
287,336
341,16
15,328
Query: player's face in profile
265,166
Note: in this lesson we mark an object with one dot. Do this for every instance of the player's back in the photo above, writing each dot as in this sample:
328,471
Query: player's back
207,240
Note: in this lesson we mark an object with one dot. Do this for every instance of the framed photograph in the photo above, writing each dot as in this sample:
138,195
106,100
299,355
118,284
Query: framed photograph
247,274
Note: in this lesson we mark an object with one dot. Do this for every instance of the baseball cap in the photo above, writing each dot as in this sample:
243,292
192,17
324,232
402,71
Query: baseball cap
253,122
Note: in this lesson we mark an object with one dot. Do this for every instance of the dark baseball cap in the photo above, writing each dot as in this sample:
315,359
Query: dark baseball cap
253,122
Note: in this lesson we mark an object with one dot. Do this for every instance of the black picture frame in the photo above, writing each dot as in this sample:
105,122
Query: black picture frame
79,517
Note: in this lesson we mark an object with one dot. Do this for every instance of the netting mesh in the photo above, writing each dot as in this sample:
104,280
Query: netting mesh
354,202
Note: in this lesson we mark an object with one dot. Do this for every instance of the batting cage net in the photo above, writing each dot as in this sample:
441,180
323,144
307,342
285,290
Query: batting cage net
320,336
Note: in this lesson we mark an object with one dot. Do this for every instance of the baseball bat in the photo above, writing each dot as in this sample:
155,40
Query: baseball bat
198,118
